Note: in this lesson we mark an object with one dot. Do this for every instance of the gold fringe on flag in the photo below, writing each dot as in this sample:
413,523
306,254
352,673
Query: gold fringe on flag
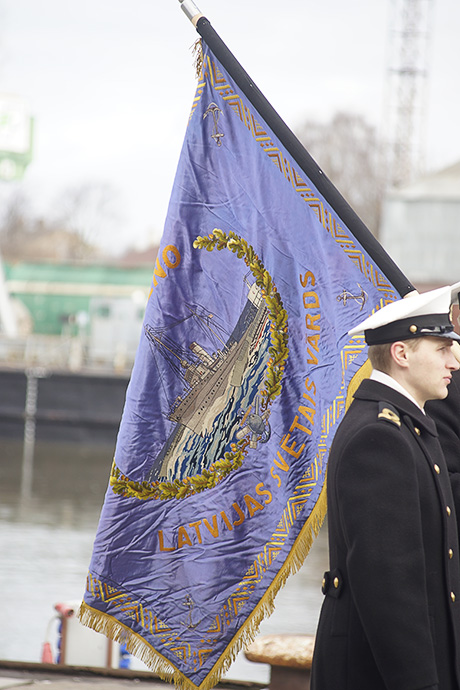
158,664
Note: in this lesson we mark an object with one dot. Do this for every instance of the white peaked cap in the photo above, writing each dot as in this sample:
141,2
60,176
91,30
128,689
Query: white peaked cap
413,317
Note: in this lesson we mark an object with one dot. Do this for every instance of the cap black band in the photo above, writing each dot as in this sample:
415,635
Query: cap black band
412,327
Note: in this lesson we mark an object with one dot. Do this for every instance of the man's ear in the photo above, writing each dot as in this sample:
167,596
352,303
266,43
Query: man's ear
456,350
398,351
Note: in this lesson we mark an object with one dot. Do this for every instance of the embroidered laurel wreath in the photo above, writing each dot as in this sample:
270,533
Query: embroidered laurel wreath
278,350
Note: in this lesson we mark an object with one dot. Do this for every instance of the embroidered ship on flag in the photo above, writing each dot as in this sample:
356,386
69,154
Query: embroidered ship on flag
240,380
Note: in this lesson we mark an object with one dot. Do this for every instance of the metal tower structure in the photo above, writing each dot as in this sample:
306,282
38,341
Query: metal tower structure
407,83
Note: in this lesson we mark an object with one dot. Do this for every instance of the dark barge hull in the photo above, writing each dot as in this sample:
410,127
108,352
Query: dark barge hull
75,407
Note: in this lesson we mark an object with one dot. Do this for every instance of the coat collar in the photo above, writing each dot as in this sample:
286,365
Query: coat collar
376,391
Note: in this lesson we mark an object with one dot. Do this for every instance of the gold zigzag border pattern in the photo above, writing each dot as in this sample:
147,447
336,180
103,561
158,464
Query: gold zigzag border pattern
299,498
326,216
133,609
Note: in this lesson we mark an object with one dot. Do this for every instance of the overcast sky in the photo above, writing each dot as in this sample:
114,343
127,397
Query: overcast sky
110,84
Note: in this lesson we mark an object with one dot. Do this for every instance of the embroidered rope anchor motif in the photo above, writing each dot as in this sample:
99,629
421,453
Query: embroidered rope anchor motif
215,111
345,295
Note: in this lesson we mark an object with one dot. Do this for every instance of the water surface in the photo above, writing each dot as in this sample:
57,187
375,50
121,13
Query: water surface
47,529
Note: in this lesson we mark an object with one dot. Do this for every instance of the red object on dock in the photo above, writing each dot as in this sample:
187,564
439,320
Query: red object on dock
47,654
65,610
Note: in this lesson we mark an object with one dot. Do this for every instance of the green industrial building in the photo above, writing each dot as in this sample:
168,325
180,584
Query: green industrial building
57,295
99,306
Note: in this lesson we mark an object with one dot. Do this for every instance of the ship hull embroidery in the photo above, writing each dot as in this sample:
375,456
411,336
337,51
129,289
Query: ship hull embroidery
217,386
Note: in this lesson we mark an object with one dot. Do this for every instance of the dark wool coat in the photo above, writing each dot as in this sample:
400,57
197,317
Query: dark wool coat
391,615
446,414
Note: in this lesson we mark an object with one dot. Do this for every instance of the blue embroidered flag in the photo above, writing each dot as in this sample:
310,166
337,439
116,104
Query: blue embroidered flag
240,380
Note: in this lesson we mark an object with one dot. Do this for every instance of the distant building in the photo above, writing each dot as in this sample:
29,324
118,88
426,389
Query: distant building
77,315
420,228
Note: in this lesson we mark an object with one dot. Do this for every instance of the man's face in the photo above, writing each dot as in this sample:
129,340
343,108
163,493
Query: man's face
430,368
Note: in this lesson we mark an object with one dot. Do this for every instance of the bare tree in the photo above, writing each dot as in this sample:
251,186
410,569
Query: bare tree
16,223
26,236
75,230
91,211
348,151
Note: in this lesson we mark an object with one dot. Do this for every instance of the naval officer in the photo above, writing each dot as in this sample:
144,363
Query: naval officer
390,619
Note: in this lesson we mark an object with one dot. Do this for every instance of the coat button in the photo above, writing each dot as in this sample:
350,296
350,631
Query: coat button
336,582
451,553
437,469
452,596
417,430
448,510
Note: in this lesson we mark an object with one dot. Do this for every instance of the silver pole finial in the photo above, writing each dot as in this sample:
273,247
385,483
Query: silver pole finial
191,10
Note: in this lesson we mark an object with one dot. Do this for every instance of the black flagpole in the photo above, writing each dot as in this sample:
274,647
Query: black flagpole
297,150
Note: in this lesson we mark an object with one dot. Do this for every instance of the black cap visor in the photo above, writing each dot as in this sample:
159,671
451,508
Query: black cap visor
437,325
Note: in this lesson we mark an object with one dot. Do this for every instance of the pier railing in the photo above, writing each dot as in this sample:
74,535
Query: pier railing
67,352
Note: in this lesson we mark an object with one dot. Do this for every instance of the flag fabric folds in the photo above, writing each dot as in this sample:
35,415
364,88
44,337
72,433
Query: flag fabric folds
241,377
